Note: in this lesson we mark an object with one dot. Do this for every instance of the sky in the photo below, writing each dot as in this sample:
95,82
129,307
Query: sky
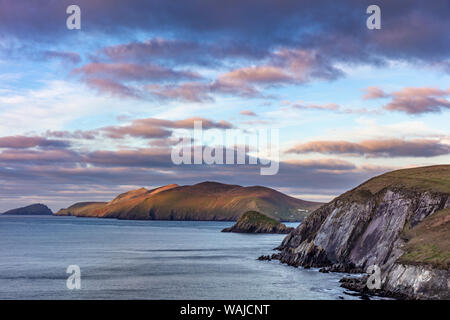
87,114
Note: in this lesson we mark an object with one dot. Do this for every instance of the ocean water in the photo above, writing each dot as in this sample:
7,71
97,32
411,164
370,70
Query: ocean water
123,259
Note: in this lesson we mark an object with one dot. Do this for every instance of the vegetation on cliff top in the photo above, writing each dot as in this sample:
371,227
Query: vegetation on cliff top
421,179
428,243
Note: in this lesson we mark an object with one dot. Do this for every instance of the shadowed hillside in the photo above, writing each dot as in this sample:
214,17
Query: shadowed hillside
31,210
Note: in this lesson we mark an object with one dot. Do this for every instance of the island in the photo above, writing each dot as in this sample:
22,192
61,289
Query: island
37,209
205,201
255,222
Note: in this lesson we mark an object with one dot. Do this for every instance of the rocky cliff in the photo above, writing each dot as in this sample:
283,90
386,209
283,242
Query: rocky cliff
34,209
255,222
203,201
370,224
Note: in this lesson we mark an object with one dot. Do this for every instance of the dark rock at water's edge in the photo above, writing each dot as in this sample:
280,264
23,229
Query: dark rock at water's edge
255,222
399,221
31,210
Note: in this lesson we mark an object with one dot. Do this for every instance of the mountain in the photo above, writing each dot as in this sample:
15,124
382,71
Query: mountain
398,221
255,222
34,209
203,201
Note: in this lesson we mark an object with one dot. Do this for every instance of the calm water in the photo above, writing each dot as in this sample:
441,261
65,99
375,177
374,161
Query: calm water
147,260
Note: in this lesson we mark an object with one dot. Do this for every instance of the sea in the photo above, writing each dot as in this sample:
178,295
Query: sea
129,259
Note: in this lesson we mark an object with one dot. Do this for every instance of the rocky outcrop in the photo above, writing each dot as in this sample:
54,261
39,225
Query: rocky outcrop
366,226
255,222
31,210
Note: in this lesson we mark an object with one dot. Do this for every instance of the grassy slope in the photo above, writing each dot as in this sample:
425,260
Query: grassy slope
429,241
81,208
256,218
204,201
431,179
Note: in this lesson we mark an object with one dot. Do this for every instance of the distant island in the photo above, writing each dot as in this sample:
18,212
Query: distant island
398,221
255,222
31,210
207,201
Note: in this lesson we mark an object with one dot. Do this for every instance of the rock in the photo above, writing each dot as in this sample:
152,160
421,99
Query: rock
255,222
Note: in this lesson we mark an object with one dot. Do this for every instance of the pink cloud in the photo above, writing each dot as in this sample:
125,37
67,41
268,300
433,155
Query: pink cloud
412,100
256,75
23,142
376,148
133,72
328,106
247,113
160,128
374,93
112,87
419,100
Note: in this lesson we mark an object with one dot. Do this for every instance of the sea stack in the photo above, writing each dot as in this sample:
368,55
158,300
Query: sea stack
255,222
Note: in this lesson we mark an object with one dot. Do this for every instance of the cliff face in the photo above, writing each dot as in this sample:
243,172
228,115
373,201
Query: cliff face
203,201
366,226
31,210
255,222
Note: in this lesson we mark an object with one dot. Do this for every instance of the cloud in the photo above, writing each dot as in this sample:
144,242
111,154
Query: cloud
411,29
283,67
179,51
419,100
159,128
412,100
71,57
256,75
328,106
323,164
306,65
374,93
133,72
190,92
376,148
29,157
112,87
155,157
202,92
77,134
23,142
247,113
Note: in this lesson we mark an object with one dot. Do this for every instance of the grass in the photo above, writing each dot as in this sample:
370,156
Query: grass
256,218
428,243
431,179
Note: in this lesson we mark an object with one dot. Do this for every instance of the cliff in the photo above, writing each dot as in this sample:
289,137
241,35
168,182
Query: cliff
34,209
398,221
203,201
255,222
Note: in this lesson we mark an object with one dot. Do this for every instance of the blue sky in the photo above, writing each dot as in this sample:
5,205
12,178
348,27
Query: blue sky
86,114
